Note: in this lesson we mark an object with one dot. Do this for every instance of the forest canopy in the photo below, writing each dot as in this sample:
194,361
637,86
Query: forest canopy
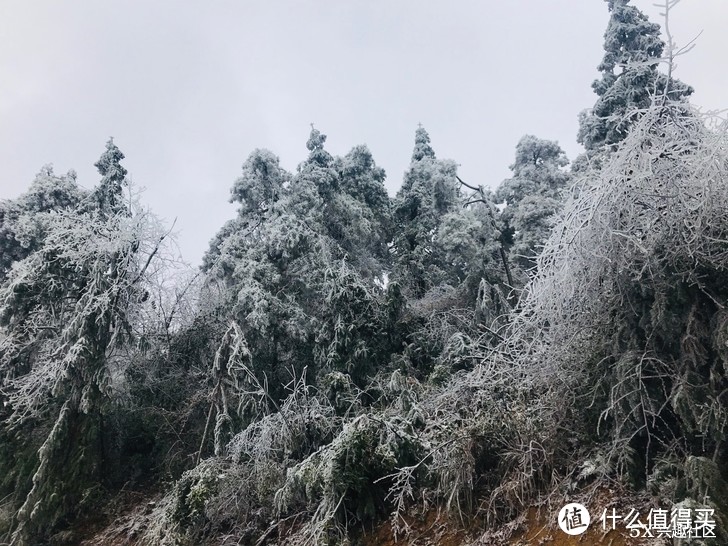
343,359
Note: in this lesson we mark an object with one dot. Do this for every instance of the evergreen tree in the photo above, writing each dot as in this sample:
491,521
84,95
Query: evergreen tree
363,179
422,145
255,256
430,191
347,198
67,309
630,78
108,195
532,196
365,207
22,228
467,242
301,256
260,185
256,191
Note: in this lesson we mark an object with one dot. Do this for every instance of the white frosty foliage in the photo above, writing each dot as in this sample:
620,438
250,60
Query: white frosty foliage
67,306
659,202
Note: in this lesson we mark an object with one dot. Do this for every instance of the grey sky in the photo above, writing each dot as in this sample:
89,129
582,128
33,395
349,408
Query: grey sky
189,89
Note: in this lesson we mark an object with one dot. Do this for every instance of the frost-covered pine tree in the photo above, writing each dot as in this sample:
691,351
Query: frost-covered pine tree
67,309
365,212
467,241
108,196
430,191
532,196
301,256
632,51
21,225
260,186
347,198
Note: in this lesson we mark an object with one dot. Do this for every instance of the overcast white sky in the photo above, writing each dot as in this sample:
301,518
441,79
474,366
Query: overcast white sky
189,89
